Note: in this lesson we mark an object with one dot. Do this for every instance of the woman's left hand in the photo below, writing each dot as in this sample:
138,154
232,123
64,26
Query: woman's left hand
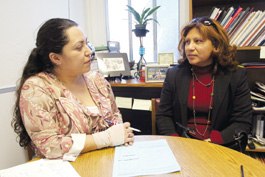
129,136
208,140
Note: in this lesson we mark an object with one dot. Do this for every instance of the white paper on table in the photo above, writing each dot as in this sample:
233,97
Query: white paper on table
41,168
140,104
144,158
124,102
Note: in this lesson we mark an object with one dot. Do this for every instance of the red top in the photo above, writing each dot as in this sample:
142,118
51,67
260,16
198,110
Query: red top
202,103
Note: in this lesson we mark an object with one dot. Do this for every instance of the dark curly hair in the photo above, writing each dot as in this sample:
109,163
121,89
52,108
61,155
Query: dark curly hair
51,37
225,55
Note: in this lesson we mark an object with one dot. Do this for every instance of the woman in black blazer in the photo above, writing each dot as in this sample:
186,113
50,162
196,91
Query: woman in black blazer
207,93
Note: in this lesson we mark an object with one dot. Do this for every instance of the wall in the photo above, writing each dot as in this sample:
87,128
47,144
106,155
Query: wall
20,21
183,13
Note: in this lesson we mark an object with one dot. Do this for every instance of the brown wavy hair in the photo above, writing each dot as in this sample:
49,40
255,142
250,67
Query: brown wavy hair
225,55
51,37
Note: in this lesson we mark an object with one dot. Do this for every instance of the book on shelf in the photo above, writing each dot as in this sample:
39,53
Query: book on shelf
228,14
232,25
260,39
258,95
213,8
238,34
256,39
237,22
262,43
251,27
241,24
259,125
245,27
257,99
254,32
232,18
260,85
253,64
222,15
213,13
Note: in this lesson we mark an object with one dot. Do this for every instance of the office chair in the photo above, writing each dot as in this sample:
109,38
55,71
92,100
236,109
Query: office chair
155,102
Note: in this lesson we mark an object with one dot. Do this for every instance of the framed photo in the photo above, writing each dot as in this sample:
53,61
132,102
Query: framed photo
113,64
155,73
166,58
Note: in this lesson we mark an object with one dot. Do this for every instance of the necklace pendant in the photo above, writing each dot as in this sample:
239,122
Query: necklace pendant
208,85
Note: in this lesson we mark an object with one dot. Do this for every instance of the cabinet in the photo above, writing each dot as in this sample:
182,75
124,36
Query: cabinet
137,89
200,8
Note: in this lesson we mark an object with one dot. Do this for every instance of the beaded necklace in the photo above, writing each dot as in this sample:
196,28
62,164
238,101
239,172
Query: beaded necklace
194,76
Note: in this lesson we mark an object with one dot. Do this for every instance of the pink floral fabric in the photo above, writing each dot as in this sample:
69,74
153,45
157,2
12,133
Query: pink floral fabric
50,112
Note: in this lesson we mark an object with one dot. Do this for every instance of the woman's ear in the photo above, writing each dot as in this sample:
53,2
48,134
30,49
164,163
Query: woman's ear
55,59
215,49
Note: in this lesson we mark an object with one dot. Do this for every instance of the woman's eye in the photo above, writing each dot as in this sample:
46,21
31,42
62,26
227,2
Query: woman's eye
198,41
79,47
186,42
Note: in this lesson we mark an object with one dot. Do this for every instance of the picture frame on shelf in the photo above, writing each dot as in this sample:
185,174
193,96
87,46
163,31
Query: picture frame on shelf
156,73
166,58
113,64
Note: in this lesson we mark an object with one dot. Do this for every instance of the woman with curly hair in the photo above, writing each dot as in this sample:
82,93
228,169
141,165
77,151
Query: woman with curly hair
207,95
62,108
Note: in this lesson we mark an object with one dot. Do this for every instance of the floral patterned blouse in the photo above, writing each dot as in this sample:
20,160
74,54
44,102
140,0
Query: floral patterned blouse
51,114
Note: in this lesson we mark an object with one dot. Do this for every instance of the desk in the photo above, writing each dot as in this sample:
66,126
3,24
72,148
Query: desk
195,157
136,89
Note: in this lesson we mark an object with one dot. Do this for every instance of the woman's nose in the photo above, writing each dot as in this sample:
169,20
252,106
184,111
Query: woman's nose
88,51
190,46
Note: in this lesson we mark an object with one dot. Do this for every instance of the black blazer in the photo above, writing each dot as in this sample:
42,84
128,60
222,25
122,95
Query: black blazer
231,103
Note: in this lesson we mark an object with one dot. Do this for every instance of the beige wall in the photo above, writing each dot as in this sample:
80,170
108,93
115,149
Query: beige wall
20,21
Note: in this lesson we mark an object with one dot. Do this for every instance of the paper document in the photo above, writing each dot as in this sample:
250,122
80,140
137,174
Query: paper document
124,102
144,158
140,104
41,168
262,52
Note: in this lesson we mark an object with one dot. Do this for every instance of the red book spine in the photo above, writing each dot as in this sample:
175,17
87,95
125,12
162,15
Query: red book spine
233,18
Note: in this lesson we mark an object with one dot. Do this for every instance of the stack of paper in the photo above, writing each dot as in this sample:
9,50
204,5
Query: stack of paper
41,168
144,158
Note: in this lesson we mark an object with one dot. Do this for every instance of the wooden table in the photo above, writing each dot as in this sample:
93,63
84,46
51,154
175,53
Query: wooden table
195,157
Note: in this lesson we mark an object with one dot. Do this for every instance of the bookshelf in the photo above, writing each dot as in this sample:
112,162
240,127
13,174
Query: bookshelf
200,8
